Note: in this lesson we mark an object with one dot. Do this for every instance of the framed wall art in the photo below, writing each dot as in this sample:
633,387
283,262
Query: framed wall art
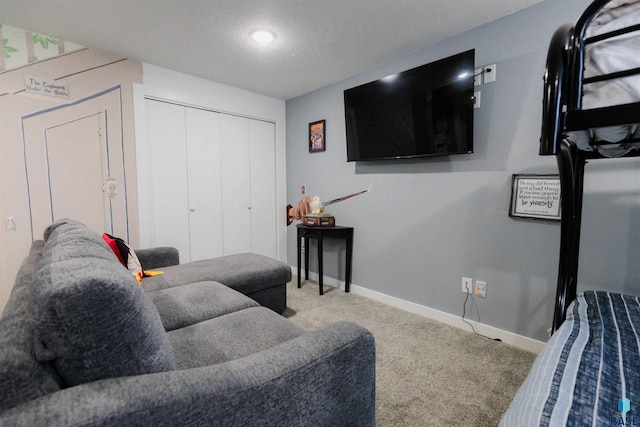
535,196
317,141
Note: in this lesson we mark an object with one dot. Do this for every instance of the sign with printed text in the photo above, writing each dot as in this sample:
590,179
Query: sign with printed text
42,86
535,196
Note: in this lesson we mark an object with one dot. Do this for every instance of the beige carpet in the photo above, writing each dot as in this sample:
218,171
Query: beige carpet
427,373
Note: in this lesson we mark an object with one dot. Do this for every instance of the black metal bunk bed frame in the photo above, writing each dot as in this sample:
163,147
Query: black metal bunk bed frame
562,113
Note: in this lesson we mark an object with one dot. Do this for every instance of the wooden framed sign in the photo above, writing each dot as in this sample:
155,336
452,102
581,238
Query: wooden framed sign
535,196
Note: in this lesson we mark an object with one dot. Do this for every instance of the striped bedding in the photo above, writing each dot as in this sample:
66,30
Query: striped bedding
587,370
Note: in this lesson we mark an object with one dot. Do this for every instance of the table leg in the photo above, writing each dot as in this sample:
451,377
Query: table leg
347,282
299,258
306,258
320,263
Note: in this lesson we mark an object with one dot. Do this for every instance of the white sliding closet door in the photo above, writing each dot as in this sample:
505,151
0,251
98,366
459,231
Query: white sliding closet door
248,185
205,184
185,182
213,182
169,222
236,184
264,212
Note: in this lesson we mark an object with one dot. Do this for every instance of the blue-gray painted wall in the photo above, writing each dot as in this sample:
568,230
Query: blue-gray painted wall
425,224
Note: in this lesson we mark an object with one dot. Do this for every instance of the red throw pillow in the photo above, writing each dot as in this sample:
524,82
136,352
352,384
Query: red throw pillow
126,255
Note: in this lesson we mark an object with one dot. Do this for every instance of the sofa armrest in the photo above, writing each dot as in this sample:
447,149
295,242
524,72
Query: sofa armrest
323,378
159,257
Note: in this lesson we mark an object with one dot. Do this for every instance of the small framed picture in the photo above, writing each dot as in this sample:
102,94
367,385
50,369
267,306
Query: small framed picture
317,141
535,196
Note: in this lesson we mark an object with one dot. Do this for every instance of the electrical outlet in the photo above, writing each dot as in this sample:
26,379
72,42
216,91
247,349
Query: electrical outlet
481,289
303,189
476,99
467,285
489,73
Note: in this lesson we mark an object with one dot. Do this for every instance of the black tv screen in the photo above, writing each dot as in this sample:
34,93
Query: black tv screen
423,112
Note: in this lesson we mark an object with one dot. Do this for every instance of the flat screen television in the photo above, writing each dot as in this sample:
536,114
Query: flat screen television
422,112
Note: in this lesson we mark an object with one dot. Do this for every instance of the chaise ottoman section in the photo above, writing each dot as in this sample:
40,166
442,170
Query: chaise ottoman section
261,278
186,305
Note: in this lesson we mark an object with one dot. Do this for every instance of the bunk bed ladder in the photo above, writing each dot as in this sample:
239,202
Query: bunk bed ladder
571,163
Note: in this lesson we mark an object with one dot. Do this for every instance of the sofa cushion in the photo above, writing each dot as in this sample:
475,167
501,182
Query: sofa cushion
185,305
158,257
91,318
77,244
62,226
230,337
94,321
22,377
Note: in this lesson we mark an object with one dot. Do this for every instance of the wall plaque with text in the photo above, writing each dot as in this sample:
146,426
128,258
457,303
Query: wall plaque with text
42,86
535,196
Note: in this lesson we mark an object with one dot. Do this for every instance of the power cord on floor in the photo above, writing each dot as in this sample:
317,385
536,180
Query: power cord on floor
464,308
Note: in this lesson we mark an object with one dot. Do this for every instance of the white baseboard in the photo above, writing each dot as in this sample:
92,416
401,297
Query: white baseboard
520,341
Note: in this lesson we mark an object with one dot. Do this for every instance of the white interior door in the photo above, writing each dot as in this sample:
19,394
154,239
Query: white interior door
70,152
79,192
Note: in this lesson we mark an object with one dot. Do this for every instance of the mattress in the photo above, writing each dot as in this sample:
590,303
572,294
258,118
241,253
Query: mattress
620,53
588,373
612,55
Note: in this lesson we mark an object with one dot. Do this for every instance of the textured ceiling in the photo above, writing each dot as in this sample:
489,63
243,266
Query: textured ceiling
318,42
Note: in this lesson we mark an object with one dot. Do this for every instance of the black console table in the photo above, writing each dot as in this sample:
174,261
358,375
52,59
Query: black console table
319,233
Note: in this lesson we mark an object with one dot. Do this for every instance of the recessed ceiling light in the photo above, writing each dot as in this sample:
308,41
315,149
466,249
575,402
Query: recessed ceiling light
263,36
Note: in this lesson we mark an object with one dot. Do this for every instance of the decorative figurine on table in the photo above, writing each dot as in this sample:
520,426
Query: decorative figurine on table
311,210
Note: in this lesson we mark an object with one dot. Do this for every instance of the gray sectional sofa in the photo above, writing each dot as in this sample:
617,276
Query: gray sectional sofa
82,343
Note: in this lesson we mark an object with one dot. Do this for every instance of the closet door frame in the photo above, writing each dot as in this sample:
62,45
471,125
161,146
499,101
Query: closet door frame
239,175
164,84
